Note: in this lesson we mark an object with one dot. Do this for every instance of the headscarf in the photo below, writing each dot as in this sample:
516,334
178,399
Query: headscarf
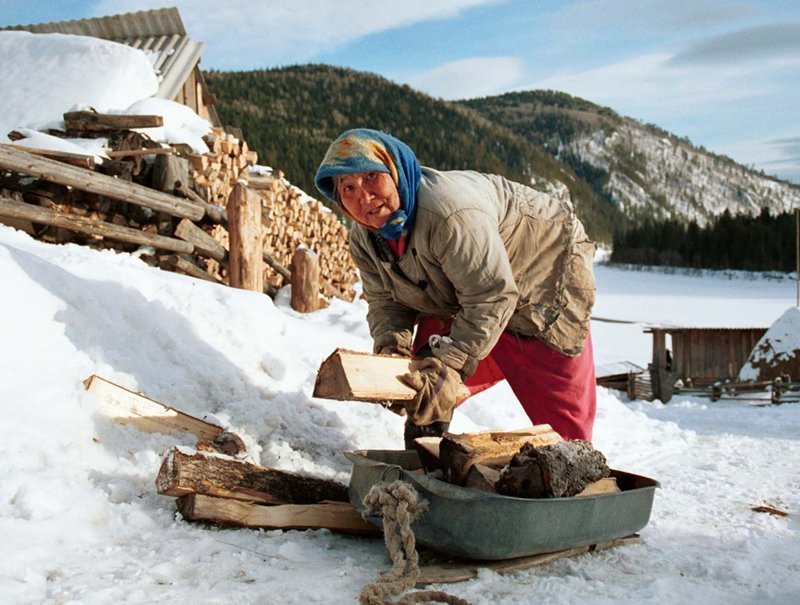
366,150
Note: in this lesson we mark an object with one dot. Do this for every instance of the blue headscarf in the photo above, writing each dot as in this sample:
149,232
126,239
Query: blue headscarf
366,150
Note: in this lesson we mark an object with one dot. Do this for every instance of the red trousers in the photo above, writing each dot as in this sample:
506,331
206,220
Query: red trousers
553,388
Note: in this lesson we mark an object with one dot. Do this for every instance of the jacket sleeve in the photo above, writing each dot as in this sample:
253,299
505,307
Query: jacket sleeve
473,257
391,324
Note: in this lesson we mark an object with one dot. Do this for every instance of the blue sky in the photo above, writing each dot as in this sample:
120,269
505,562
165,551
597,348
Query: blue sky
725,73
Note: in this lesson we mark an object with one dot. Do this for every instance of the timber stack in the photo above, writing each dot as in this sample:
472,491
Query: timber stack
169,204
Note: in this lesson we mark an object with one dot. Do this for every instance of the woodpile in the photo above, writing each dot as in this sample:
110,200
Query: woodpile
214,484
173,202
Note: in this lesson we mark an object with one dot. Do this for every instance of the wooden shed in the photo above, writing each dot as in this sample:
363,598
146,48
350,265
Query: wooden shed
698,356
160,33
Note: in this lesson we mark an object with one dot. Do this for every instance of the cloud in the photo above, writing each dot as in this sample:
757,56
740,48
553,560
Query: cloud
243,34
779,157
751,44
469,78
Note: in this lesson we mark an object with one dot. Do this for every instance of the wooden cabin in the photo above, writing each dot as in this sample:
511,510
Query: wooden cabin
698,356
175,56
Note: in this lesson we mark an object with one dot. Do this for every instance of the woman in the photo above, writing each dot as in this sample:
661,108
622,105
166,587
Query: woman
495,277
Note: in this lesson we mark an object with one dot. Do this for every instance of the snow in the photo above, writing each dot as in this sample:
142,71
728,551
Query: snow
82,523
781,342
79,515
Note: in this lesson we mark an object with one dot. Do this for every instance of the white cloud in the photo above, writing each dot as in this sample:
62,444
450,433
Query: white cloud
245,34
469,78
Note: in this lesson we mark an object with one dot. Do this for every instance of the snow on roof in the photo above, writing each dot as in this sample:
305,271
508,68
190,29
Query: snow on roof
160,33
45,75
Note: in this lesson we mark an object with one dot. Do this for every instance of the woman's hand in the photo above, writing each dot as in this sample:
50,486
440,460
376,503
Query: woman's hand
439,390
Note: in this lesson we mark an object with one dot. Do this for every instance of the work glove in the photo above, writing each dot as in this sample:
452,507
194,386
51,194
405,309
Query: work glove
439,389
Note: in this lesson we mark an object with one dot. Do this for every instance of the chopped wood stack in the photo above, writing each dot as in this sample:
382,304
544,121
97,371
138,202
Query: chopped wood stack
290,219
171,200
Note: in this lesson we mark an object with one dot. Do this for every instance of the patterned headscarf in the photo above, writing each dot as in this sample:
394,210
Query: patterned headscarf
366,150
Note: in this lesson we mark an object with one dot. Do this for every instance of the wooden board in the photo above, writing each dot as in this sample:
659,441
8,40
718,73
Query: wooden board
183,473
91,121
354,376
129,407
459,571
336,516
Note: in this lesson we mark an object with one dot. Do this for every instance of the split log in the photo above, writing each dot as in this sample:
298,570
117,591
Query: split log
428,451
129,407
186,265
12,158
185,473
244,227
482,478
81,224
305,281
203,243
457,453
606,485
353,376
90,121
552,471
335,516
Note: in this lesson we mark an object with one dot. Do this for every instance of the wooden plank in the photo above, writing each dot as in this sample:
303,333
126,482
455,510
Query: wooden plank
133,153
14,159
74,159
10,208
457,453
355,376
184,473
129,407
202,241
90,121
459,571
246,248
335,516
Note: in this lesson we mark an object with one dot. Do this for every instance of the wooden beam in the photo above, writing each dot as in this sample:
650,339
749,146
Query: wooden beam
217,214
457,453
14,159
90,121
185,473
354,376
202,241
129,407
10,208
335,516
246,248
185,265
73,159
133,153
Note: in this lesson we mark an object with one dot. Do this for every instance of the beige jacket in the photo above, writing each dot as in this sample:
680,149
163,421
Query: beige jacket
491,253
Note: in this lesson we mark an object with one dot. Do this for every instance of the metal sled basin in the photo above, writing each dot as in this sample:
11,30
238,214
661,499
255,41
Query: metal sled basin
468,523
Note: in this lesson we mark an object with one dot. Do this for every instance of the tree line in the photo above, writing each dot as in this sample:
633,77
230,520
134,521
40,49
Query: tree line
750,243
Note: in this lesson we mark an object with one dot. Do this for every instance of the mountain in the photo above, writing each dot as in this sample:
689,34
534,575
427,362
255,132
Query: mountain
641,169
617,171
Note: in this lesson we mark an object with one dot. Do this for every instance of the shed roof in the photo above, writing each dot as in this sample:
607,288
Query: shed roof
158,32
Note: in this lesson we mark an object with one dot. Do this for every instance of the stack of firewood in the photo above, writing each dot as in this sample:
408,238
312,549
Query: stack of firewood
170,200
291,218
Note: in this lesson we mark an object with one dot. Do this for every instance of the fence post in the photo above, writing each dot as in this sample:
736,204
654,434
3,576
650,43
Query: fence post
246,247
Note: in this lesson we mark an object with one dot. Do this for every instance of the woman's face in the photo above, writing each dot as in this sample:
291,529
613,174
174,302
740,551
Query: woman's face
369,197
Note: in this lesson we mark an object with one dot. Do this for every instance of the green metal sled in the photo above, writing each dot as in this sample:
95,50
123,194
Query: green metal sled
472,524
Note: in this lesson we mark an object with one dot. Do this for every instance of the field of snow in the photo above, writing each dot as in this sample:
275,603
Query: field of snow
81,521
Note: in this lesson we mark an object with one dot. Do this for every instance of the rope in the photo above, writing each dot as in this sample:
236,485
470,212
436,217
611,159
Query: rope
399,505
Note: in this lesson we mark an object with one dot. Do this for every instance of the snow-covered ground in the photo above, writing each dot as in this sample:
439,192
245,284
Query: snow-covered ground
82,523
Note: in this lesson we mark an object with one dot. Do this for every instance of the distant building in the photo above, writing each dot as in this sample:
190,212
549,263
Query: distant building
160,33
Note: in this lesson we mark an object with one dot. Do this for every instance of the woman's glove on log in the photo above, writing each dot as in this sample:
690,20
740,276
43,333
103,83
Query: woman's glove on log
439,389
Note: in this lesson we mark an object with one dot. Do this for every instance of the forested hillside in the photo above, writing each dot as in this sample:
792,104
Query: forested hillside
291,115
620,174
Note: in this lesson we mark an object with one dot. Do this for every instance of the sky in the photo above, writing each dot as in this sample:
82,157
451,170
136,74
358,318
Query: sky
724,73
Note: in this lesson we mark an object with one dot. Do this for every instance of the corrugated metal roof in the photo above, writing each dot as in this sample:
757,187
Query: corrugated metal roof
158,32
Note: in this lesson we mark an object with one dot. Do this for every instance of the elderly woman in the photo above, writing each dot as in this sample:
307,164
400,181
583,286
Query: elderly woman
495,277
